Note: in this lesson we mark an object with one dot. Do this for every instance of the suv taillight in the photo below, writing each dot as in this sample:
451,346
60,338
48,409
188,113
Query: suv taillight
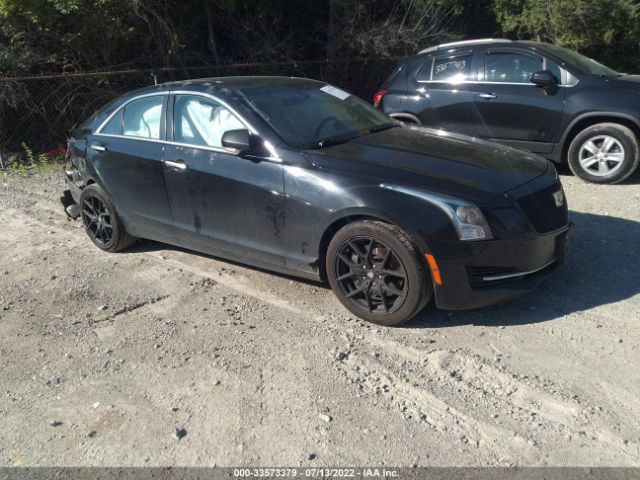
377,97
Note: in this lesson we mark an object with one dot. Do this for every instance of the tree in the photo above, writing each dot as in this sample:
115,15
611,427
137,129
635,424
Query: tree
588,25
387,28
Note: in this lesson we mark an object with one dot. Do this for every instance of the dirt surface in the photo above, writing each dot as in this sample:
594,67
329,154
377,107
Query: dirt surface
103,357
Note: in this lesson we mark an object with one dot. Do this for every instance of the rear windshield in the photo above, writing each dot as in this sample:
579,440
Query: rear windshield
392,77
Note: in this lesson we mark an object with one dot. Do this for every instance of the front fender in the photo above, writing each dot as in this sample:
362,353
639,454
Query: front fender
326,201
419,219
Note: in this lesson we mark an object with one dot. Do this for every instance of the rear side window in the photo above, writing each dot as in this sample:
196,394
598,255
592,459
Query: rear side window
510,67
142,118
452,68
114,126
424,73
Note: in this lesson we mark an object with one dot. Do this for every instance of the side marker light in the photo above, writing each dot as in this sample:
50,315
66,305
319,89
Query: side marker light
435,271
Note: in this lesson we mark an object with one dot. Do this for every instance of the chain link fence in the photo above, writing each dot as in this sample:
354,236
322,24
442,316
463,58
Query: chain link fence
37,112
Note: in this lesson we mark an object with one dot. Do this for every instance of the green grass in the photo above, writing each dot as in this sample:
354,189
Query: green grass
30,164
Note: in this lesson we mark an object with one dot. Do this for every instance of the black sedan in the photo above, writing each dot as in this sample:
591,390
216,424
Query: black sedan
299,177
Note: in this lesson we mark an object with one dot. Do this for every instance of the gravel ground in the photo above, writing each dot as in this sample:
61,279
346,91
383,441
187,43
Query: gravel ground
158,356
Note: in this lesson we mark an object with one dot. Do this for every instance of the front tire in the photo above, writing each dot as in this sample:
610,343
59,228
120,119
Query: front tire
377,273
101,222
604,153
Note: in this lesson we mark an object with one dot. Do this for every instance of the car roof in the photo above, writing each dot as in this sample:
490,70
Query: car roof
235,82
462,43
480,41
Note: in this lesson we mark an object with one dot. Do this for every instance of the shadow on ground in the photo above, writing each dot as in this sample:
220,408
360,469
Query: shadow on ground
603,269
153,246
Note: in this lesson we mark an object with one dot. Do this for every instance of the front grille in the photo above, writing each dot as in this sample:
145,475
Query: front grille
541,209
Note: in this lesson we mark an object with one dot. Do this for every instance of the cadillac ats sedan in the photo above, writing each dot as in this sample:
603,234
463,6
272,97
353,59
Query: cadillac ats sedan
299,177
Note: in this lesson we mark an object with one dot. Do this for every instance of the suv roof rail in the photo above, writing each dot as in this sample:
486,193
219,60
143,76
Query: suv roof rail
464,42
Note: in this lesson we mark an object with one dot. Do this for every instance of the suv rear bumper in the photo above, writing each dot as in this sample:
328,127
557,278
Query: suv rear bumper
476,274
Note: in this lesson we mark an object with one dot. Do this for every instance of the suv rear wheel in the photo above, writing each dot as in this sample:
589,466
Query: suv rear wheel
604,153
377,273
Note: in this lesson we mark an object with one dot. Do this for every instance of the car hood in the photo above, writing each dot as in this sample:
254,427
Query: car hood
632,81
433,158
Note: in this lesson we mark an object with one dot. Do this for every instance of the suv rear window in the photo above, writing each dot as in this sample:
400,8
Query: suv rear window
452,68
424,73
447,68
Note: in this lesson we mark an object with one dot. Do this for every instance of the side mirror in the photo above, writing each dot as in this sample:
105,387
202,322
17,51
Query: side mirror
239,140
545,79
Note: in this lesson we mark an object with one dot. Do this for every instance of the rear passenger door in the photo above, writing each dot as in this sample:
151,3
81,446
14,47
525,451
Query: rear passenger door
126,152
446,90
513,110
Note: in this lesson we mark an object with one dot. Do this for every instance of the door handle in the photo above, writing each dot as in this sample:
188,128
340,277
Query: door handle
487,96
98,148
178,164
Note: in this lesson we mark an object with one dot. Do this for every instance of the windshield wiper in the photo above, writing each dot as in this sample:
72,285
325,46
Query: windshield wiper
616,75
344,138
384,126
335,140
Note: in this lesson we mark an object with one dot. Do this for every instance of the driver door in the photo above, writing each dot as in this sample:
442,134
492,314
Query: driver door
217,198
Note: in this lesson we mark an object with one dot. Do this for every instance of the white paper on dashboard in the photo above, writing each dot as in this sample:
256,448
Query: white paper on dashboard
336,92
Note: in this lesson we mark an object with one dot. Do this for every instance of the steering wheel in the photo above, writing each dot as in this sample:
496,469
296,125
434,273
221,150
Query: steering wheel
324,123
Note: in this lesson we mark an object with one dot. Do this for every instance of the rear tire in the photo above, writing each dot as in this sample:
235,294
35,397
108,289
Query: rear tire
377,273
604,153
101,222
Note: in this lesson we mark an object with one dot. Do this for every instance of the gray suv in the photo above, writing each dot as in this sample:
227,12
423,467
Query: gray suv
536,96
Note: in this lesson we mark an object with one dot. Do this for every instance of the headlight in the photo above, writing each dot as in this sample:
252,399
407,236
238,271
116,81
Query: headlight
471,224
468,219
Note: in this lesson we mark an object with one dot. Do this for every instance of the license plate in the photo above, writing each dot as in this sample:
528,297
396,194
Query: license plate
564,245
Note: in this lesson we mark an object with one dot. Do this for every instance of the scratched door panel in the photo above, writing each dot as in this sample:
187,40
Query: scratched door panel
227,202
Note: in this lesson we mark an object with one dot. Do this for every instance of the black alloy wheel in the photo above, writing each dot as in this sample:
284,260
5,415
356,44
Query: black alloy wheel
101,222
97,220
377,273
371,274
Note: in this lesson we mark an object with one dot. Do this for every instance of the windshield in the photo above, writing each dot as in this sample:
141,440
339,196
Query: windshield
578,60
314,115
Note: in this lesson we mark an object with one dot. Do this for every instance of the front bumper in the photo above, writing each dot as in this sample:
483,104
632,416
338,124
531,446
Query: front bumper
476,274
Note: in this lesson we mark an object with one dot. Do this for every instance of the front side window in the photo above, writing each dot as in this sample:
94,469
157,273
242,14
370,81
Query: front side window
201,121
452,69
142,117
510,67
